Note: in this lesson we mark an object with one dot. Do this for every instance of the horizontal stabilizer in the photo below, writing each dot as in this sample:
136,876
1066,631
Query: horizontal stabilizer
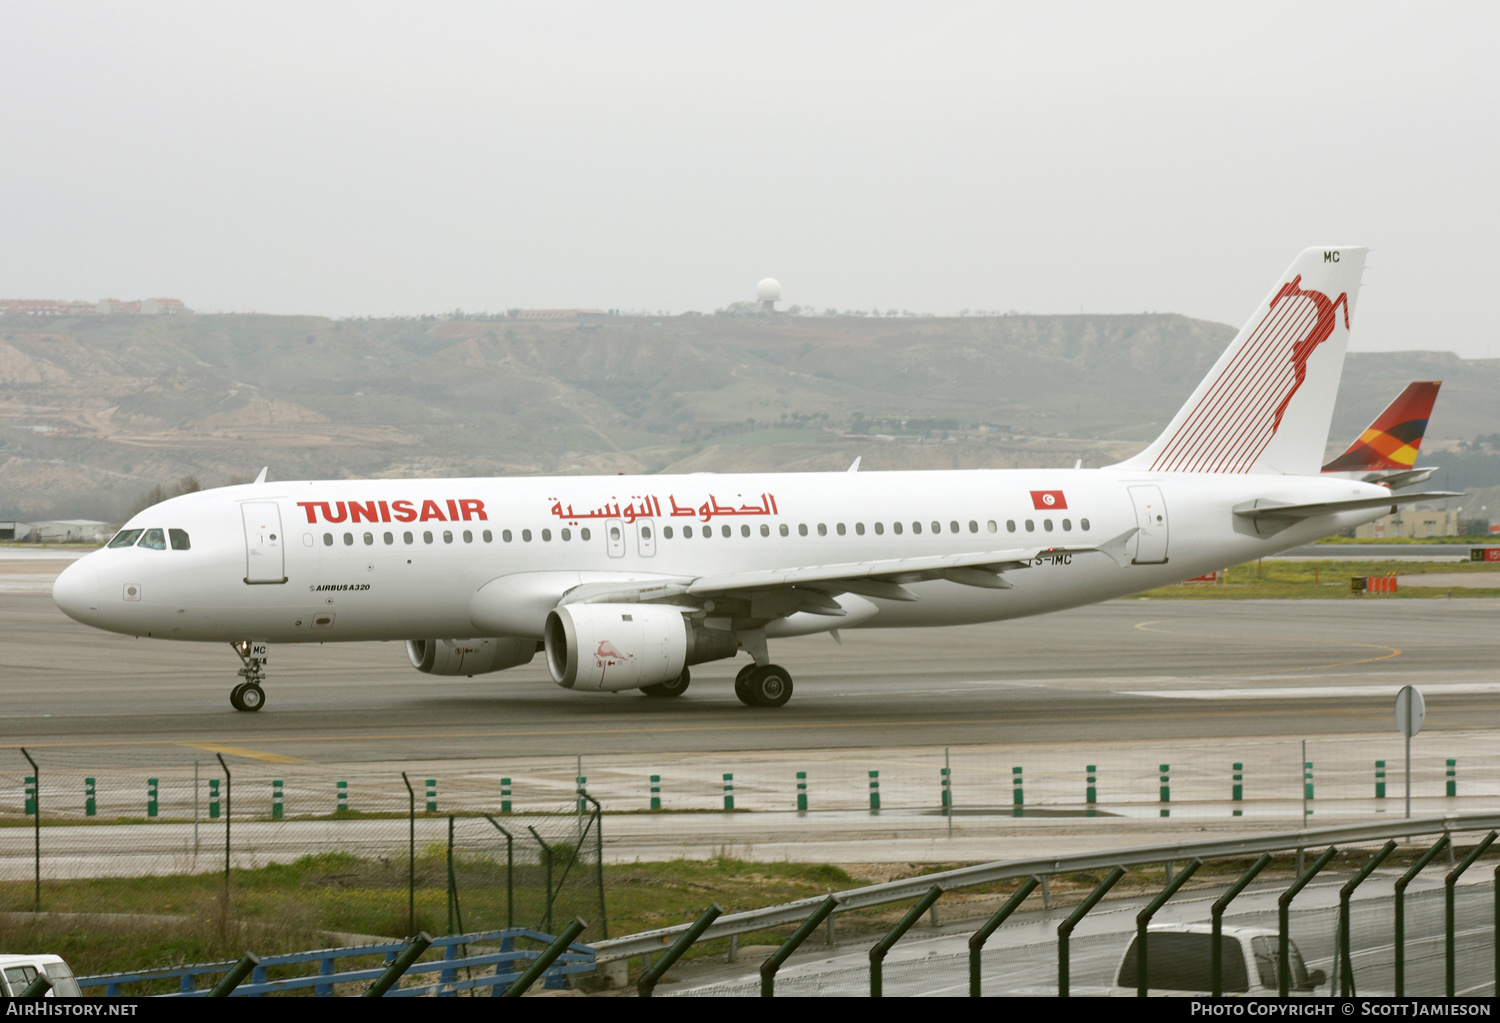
1397,480
1296,512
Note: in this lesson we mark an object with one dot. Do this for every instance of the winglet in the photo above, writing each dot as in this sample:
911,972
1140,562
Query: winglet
855,466
262,477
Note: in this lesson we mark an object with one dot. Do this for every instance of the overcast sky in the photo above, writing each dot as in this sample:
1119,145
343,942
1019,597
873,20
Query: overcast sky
374,158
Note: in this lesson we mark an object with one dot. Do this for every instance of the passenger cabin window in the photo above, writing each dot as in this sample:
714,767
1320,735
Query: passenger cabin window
369,539
859,529
179,538
896,528
724,532
765,530
880,529
802,529
389,539
126,538
666,532
488,536
1067,525
565,533
744,530
408,538
687,532
1047,525
427,536
348,539
469,536
839,529
526,535
505,535
916,527
328,539
546,536
822,529
153,539
1010,525
784,530
1084,523
1030,526
447,536
974,526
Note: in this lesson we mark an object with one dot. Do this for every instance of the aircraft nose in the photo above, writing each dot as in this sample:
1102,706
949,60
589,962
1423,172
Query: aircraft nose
76,591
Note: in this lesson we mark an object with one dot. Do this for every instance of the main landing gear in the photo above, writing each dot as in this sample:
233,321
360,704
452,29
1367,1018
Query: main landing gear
248,695
674,688
763,685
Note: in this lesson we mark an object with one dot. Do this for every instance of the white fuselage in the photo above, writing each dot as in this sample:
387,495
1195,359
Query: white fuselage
296,562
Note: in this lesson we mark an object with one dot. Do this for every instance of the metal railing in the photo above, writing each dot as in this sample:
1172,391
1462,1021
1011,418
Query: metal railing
506,966
796,912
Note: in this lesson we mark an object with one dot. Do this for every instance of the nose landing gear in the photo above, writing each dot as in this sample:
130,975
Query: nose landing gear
248,695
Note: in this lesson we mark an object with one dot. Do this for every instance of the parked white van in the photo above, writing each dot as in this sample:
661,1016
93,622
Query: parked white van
1180,962
18,971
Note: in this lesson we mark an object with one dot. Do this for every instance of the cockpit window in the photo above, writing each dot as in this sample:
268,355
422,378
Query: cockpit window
126,538
154,539
180,541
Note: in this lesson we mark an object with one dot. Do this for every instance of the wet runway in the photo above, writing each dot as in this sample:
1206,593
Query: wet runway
1125,670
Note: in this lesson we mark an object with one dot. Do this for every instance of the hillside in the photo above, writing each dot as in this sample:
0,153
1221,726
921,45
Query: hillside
94,410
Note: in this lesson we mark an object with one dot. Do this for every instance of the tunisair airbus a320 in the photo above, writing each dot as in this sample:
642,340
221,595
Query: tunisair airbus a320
624,582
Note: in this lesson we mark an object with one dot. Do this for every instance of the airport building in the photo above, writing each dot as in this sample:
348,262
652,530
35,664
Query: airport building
57,531
103,307
1411,523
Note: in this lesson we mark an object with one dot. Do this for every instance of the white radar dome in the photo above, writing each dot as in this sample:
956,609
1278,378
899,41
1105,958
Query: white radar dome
768,290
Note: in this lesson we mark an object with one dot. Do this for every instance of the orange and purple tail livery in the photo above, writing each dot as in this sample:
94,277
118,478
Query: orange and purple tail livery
1394,438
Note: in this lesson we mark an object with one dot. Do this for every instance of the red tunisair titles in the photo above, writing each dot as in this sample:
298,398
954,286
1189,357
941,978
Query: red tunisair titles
460,510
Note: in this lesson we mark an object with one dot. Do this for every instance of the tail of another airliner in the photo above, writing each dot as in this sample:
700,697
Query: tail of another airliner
1267,403
1394,439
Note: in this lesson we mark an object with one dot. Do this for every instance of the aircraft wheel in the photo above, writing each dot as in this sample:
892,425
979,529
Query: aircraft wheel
247,696
742,685
675,688
769,685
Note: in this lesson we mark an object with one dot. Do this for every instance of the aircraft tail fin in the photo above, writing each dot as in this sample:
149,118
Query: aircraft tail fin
1267,403
1394,439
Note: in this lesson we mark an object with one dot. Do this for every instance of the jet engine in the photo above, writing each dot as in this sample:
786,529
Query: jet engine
608,647
469,656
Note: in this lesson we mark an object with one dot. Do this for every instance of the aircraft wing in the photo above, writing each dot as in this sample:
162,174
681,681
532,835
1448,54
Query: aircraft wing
1292,512
883,578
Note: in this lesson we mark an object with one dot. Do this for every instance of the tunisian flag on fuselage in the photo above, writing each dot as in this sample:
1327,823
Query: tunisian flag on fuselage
1048,500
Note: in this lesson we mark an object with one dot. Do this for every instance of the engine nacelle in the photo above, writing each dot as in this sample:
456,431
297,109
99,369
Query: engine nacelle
469,656
609,647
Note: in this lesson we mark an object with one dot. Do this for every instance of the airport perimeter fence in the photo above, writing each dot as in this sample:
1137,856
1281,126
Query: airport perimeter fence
190,836
1278,781
1414,916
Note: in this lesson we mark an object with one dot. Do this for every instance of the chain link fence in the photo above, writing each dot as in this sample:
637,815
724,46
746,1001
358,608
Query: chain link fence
190,834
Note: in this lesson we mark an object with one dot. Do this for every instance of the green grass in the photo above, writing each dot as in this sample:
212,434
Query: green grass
1326,580
159,922
1476,541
